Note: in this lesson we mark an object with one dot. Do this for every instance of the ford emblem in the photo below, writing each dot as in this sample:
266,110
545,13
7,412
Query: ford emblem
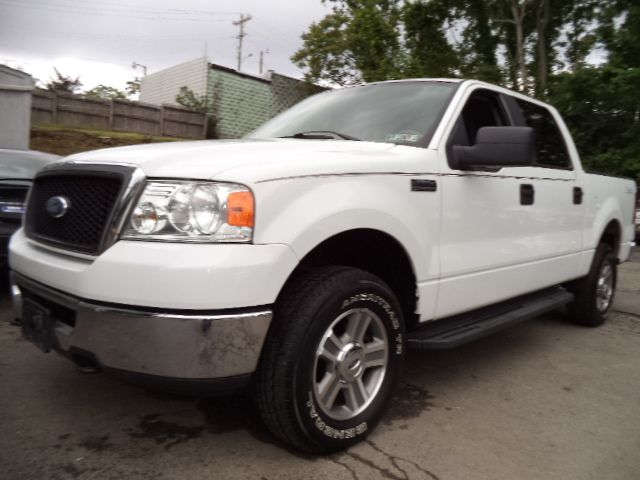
57,206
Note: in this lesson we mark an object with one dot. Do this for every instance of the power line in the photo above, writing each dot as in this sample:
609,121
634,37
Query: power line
274,31
124,37
120,8
280,40
104,12
127,8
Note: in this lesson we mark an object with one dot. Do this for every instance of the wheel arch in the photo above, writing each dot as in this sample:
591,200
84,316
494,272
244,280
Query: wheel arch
612,235
374,251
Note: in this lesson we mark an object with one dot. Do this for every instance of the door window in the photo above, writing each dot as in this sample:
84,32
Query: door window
550,149
483,109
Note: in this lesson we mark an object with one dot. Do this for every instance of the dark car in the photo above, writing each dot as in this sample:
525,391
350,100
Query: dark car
17,169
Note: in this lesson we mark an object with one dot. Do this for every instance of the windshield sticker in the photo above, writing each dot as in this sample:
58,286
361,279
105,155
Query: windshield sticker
409,136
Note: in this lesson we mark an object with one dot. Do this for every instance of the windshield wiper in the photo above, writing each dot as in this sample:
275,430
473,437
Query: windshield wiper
322,135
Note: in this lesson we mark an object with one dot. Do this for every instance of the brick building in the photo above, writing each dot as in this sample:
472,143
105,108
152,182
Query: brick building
240,102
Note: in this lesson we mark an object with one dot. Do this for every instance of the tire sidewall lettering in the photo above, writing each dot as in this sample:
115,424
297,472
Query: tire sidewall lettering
348,431
397,337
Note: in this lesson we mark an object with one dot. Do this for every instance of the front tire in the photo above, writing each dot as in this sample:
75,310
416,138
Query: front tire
331,360
594,293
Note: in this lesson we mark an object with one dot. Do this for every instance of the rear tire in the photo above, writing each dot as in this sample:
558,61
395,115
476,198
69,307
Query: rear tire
594,293
332,359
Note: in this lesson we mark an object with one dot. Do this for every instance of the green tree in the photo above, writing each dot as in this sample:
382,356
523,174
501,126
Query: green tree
325,54
580,34
63,83
368,40
191,100
358,41
479,41
601,106
133,88
105,92
199,103
373,38
622,42
429,52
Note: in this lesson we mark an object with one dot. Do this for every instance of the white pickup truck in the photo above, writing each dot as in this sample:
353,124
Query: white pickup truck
304,260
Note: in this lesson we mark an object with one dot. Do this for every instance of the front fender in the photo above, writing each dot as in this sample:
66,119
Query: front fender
304,212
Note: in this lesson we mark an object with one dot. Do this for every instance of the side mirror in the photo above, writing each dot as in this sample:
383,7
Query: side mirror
497,147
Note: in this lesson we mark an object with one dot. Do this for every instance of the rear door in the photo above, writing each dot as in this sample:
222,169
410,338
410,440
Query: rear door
557,218
507,231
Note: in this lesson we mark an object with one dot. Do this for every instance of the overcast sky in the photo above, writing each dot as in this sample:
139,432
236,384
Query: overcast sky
99,39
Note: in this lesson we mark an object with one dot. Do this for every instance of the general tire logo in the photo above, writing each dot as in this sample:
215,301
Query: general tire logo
339,433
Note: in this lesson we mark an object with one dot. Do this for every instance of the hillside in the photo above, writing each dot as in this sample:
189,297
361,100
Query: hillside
68,140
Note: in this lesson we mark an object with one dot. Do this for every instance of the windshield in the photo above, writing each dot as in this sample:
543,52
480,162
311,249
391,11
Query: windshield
399,112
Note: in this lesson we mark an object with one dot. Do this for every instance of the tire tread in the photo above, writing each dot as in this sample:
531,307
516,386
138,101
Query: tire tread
582,310
294,310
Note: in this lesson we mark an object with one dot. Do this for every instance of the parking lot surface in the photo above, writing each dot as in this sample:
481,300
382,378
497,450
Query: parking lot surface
544,399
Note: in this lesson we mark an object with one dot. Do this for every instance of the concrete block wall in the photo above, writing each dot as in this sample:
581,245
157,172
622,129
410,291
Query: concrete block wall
241,103
287,91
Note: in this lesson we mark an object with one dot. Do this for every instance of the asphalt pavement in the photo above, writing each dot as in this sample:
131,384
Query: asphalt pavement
542,400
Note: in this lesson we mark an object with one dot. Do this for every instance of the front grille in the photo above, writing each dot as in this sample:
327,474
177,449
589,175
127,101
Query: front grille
12,198
92,198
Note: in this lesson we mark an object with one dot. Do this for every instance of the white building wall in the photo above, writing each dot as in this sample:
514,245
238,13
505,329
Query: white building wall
163,86
15,108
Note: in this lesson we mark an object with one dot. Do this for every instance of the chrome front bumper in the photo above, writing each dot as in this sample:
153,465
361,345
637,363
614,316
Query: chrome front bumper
178,344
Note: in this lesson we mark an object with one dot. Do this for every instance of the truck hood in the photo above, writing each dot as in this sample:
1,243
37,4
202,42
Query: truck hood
250,160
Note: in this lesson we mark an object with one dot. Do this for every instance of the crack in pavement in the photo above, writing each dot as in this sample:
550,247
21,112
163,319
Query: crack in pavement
394,459
384,472
353,473
616,310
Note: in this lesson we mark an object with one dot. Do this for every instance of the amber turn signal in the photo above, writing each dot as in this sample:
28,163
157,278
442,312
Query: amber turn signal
240,209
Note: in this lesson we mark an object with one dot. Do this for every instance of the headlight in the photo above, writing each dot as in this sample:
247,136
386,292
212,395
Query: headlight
187,211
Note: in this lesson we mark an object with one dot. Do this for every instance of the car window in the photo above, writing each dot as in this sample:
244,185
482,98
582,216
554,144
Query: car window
482,109
550,148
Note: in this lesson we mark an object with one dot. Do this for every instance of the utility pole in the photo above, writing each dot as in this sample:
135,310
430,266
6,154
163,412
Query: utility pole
240,23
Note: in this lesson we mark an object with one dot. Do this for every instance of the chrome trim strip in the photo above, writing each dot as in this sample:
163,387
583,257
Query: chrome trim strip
69,253
147,314
346,174
414,174
73,163
125,205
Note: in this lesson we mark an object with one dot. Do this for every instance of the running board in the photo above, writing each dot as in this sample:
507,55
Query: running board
453,331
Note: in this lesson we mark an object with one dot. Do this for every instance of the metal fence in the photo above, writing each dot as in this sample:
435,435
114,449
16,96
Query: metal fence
76,111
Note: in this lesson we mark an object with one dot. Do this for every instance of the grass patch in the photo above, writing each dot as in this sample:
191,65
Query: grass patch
63,140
